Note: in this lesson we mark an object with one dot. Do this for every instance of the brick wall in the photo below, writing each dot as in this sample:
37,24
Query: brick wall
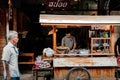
2,34
2,43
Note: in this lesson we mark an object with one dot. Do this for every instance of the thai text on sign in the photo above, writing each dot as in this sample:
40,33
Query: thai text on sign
58,4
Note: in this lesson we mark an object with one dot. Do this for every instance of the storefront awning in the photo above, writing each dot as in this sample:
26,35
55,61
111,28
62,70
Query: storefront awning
80,20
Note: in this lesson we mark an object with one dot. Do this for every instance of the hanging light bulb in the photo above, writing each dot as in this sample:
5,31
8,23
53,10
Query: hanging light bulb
75,0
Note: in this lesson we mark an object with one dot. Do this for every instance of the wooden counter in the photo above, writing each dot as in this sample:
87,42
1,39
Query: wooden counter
86,61
99,67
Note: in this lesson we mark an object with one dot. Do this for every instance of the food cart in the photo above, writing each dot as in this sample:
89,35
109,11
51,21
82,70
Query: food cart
101,64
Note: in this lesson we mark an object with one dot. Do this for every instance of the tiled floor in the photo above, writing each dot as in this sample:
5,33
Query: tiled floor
1,77
25,76
29,76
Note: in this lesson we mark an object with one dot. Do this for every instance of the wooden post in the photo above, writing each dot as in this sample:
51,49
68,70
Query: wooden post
54,38
14,20
12,16
7,26
112,39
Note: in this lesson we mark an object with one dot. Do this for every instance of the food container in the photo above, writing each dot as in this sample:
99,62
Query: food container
73,52
62,50
84,52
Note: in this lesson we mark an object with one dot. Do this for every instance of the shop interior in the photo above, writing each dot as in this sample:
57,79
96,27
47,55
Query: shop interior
35,41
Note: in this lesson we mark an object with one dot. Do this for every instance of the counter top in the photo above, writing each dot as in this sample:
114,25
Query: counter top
86,62
84,55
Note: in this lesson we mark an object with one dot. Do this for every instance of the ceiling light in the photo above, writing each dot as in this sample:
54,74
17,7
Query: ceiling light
75,0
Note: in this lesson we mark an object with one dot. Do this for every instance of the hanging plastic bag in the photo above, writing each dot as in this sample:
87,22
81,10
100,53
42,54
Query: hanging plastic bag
48,52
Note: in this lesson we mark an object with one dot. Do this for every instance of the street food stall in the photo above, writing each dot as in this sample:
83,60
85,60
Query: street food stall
99,59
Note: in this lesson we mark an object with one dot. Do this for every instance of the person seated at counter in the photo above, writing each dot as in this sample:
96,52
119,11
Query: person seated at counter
69,41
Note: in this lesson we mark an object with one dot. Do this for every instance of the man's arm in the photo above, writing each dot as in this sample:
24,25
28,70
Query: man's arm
74,46
117,46
6,65
117,49
62,42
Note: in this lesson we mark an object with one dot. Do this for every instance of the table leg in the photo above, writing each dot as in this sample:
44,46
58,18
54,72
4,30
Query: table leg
35,75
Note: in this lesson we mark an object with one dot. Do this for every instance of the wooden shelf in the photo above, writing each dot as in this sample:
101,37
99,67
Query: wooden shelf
48,58
27,55
104,43
26,62
100,38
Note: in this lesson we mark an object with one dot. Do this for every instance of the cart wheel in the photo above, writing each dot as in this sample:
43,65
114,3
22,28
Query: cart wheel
78,73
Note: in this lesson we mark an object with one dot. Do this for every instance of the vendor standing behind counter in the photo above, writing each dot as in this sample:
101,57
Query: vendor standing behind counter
69,41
